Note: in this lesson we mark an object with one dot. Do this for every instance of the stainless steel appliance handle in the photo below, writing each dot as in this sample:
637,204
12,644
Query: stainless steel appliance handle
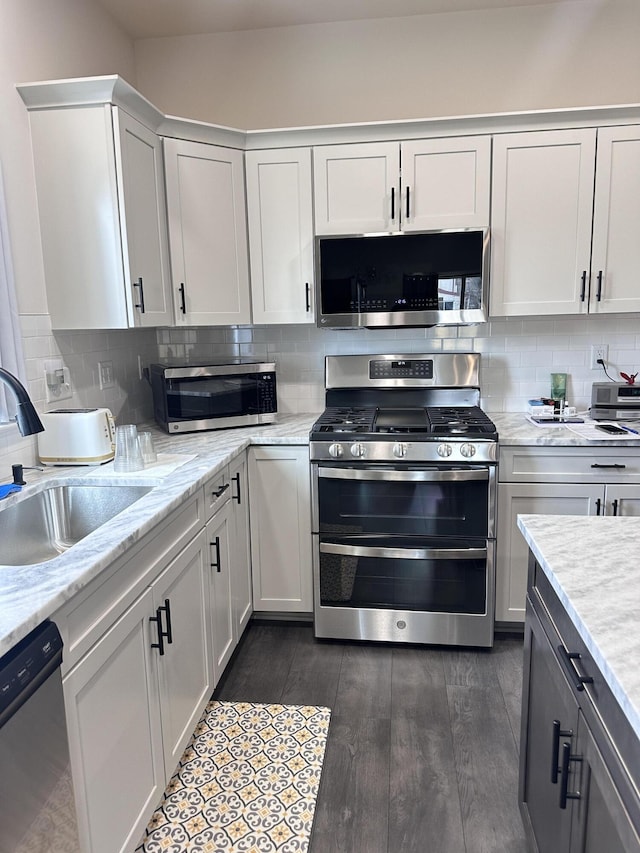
404,553
451,475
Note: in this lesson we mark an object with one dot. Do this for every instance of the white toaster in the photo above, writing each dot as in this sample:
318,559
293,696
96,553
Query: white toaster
77,437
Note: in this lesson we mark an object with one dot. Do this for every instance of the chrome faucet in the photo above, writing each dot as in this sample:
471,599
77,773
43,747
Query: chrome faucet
26,416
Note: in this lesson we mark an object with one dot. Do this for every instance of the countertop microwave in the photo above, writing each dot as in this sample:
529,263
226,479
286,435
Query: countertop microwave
404,279
189,397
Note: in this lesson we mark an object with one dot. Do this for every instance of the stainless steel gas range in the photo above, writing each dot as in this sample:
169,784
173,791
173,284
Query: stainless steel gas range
403,501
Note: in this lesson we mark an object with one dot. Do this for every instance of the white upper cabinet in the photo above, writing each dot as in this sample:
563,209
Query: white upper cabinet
411,186
101,203
541,221
356,188
615,263
544,218
207,233
446,183
280,220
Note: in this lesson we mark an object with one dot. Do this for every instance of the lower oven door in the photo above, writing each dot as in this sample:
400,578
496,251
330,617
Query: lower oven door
404,591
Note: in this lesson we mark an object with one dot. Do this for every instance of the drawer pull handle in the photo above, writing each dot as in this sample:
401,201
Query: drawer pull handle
558,732
569,659
615,465
217,492
614,506
565,794
393,202
183,305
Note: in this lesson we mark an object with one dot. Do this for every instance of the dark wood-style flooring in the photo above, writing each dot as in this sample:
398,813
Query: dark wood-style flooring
422,751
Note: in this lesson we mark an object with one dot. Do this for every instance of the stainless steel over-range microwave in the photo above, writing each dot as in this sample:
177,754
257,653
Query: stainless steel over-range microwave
403,279
216,395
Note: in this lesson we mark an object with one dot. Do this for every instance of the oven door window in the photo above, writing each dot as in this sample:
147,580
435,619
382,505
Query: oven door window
425,576
448,502
202,397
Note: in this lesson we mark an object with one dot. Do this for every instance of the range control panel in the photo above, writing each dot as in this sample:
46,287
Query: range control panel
401,369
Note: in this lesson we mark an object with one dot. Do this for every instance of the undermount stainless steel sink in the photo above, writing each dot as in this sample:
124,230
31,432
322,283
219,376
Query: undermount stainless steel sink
44,525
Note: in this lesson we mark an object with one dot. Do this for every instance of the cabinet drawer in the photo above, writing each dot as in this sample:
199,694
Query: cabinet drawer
560,465
89,614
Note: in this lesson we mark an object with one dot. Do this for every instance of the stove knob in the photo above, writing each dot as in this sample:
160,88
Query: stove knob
335,450
357,449
444,450
399,449
468,450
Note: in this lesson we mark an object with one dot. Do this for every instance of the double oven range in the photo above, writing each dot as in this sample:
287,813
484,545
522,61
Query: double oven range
403,501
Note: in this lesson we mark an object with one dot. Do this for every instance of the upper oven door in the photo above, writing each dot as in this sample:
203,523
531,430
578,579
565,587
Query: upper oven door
435,501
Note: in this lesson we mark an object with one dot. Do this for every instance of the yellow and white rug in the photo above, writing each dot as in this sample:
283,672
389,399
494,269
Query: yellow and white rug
247,782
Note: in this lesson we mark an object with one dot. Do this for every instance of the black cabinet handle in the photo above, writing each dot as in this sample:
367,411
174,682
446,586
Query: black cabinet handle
216,563
583,289
599,292
183,306
569,659
408,205
615,465
217,492
158,620
307,289
555,749
140,304
168,634
614,506
393,202
565,794
238,496
598,506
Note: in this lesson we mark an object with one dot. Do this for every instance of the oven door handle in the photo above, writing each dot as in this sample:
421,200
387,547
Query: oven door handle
456,475
404,553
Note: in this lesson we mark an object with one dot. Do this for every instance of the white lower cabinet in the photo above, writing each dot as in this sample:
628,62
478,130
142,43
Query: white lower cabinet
217,534
133,701
555,481
241,587
280,512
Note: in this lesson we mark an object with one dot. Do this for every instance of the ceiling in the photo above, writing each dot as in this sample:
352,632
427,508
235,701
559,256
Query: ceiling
156,18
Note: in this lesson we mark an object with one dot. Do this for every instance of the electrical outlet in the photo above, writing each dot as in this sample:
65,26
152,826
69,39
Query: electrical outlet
599,351
57,381
105,374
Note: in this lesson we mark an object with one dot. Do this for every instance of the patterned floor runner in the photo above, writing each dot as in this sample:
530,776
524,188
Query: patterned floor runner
247,782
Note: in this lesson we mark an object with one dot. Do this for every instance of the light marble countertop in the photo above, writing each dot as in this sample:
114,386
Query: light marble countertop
514,429
593,564
30,594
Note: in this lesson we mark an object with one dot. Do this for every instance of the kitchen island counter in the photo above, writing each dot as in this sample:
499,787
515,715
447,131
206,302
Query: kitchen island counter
593,566
31,594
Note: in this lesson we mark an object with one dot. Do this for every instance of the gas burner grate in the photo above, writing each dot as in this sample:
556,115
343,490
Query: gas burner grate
346,419
459,420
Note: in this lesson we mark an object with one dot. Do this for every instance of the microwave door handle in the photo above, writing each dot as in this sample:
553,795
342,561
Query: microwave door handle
404,553
450,476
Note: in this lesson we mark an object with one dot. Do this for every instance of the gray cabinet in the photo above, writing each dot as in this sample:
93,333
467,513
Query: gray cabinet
575,792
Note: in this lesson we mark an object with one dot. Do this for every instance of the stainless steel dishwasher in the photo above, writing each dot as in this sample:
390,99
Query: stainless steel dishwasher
37,808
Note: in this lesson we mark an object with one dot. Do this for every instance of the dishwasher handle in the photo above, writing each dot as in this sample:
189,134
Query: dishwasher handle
25,668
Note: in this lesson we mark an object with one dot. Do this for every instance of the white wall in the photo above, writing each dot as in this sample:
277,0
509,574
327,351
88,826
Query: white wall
39,40
575,53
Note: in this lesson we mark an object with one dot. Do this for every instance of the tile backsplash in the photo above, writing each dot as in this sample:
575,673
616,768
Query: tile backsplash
517,357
